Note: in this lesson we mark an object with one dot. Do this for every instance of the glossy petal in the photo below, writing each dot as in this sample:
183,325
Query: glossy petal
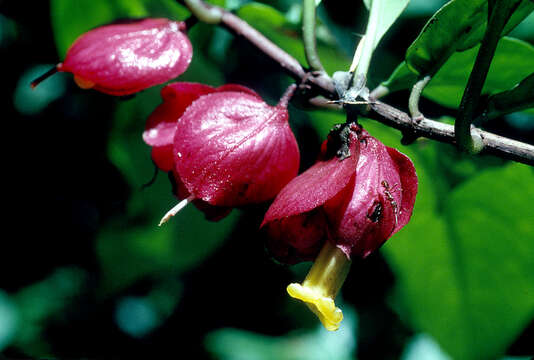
297,238
161,124
211,212
409,185
238,88
311,189
367,212
122,59
231,149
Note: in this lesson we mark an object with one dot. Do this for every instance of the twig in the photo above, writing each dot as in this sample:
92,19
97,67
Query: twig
308,35
386,114
493,144
415,95
323,83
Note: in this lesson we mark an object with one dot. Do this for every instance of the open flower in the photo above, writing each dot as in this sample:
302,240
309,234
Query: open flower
365,197
127,57
226,147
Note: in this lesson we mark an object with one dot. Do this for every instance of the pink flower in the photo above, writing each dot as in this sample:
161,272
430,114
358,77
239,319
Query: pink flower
364,197
229,148
298,208
376,203
161,124
122,59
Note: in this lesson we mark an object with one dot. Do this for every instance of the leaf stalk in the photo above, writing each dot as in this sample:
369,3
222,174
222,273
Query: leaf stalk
308,34
500,12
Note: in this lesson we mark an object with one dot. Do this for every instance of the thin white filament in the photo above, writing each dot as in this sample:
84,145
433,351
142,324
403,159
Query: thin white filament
175,210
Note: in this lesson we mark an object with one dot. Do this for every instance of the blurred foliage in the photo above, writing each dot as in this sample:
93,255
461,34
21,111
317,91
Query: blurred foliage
277,28
71,19
93,276
507,69
30,101
315,344
457,26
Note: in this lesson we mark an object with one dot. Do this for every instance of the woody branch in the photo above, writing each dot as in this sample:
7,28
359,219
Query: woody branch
322,84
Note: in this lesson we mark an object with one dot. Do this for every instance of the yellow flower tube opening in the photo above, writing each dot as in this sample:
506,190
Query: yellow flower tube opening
322,284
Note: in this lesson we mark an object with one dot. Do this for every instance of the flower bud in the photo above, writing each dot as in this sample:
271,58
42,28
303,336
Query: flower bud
225,147
124,58
232,149
161,124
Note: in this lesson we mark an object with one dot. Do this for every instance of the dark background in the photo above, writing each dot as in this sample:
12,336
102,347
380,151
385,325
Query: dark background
86,273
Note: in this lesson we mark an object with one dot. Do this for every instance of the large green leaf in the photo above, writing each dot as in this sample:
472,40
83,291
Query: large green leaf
467,278
457,26
431,255
463,263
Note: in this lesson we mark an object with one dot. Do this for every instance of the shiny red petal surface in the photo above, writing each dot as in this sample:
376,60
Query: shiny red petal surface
162,157
161,124
238,88
315,186
231,149
297,238
211,213
368,211
122,59
409,184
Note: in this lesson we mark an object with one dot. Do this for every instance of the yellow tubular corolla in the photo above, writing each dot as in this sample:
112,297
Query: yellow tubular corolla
321,285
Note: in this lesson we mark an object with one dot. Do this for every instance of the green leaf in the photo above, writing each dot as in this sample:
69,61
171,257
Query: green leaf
382,14
389,11
518,98
425,256
457,26
467,278
274,25
510,65
402,78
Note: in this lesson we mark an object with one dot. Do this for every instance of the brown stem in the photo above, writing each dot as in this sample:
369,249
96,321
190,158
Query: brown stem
43,77
241,28
386,114
493,144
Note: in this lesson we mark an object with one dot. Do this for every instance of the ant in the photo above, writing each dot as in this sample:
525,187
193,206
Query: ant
388,192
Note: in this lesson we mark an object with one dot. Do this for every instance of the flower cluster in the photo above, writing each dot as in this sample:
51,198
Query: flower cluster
225,148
